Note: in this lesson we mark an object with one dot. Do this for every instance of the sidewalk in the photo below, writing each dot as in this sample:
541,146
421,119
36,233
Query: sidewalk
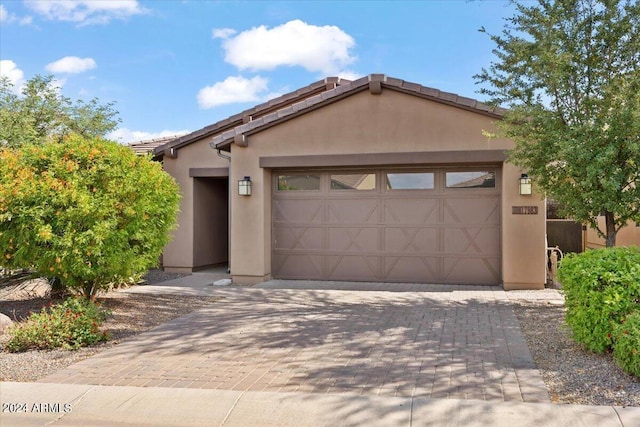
141,406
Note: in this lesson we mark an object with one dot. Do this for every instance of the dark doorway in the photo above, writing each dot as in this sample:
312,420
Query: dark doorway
211,221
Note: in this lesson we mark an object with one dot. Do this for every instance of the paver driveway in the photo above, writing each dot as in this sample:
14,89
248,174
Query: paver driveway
431,341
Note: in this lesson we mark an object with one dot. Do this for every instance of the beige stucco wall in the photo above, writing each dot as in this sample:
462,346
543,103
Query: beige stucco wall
627,236
523,236
179,254
388,123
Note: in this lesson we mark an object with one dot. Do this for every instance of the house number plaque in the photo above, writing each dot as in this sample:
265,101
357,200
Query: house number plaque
524,210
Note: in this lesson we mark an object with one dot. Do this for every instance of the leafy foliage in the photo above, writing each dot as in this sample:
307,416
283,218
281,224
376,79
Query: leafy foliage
601,288
41,114
73,324
626,349
86,211
569,72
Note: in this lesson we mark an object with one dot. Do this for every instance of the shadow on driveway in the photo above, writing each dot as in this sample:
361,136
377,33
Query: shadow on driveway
456,344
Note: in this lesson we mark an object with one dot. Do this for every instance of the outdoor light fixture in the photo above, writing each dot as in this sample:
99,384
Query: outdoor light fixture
525,185
244,186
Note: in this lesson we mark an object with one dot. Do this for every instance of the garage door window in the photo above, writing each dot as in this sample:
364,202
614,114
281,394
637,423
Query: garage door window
410,181
471,179
353,181
298,182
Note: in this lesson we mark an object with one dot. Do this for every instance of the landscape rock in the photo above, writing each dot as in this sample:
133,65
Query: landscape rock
5,323
33,288
222,282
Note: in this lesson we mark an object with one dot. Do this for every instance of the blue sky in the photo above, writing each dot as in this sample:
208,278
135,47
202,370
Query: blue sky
177,66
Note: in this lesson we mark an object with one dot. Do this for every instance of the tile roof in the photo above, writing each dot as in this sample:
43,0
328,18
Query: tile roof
147,146
314,96
254,112
373,82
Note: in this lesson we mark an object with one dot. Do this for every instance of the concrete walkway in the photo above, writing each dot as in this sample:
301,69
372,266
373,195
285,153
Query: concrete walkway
150,406
304,353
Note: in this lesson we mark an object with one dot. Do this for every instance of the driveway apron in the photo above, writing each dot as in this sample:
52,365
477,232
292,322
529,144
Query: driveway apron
430,341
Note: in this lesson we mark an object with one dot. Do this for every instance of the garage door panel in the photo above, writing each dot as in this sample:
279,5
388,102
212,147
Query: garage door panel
411,211
300,238
305,210
350,239
472,210
407,240
352,211
352,267
411,269
298,266
471,270
470,240
430,234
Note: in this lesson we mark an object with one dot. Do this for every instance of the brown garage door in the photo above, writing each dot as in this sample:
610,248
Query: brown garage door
419,226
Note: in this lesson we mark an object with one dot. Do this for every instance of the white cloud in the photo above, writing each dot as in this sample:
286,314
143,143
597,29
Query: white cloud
86,12
58,84
232,90
8,18
323,49
272,95
27,20
222,33
126,136
10,70
349,75
71,64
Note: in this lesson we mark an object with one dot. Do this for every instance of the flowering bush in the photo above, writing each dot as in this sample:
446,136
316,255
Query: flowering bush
84,211
72,324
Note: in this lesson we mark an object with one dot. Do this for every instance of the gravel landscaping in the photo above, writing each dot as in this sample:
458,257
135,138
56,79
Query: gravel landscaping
572,376
131,315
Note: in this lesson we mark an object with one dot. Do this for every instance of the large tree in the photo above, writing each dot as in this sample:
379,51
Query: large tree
569,73
40,113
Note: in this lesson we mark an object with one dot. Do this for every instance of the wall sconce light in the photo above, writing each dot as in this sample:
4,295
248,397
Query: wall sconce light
525,185
244,186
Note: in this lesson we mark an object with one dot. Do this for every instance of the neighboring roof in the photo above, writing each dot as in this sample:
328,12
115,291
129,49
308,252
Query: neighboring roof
348,180
374,83
147,146
260,110
486,180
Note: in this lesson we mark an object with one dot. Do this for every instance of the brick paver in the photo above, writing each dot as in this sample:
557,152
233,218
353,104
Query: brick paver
447,342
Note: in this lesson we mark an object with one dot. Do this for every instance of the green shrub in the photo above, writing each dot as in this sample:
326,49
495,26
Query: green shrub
601,287
626,346
86,211
72,324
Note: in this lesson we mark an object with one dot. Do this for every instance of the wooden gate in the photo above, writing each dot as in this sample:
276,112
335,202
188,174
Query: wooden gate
566,234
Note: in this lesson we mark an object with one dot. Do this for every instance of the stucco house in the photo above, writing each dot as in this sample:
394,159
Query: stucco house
376,179
627,236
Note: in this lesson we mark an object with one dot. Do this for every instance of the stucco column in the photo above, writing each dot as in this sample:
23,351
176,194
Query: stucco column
251,223
523,234
178,254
